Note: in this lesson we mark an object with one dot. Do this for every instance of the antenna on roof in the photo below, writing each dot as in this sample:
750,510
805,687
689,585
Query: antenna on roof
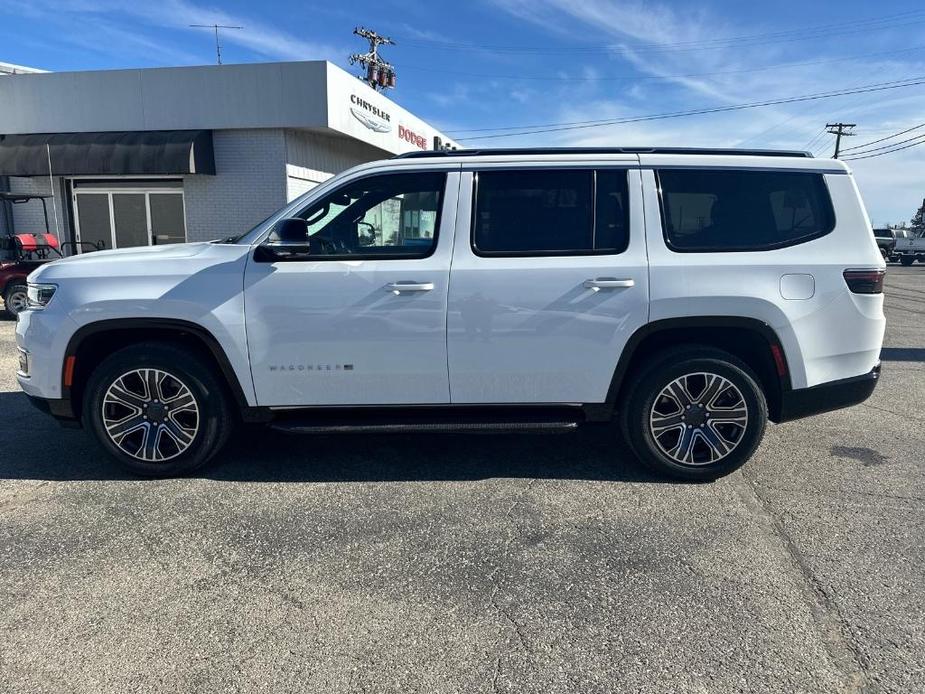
379,73
216,27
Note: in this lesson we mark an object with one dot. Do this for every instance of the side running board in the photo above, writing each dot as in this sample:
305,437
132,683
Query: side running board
428,421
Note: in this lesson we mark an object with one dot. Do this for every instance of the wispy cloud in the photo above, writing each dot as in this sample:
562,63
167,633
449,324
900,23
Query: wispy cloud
131,25
649,39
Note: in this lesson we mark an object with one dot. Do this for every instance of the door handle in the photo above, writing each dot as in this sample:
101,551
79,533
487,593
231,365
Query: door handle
398,287
608,283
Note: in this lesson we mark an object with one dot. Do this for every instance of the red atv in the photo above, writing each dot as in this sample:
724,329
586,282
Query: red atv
20,254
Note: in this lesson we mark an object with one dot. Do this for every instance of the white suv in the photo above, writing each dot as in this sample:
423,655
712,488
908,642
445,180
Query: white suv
689,295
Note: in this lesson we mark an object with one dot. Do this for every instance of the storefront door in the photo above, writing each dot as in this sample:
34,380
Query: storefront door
127,217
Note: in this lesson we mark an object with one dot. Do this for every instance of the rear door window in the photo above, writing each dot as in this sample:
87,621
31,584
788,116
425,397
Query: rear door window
550,212
713,210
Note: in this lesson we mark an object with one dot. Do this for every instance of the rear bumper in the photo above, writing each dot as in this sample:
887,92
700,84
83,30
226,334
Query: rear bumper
805,402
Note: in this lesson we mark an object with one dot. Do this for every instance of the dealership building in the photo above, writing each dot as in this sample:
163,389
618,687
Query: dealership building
165,155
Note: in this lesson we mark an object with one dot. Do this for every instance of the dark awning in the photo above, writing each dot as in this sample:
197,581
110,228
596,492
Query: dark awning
107,154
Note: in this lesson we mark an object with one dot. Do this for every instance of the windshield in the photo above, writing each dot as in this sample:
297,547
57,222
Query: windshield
257,231
258,226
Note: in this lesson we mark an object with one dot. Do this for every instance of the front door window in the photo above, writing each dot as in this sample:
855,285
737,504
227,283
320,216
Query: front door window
394,216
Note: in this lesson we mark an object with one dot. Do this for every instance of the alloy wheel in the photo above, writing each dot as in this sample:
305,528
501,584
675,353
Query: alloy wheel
150,415
698,419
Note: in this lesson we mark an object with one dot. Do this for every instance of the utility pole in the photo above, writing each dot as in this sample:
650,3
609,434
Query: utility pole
839,130
379,73
216,27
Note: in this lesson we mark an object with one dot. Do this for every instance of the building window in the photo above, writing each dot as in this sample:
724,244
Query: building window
743,210
125,213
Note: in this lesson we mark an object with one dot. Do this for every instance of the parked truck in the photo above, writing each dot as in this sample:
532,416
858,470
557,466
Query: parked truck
910,246
886,242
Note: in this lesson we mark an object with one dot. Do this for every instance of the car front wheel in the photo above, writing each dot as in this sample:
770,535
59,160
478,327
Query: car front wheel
15,299
158,409
695,414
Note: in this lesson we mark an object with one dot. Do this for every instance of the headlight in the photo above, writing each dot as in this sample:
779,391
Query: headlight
40,295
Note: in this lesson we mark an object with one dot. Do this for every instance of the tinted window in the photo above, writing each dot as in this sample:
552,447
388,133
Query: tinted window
392,215
612,219
743,210
550,212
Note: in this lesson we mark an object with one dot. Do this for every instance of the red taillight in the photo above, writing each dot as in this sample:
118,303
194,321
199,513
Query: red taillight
865,281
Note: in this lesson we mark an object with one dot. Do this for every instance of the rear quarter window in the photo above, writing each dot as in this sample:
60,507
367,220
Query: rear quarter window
707,210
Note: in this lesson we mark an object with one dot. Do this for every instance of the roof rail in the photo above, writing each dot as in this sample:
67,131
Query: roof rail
512,151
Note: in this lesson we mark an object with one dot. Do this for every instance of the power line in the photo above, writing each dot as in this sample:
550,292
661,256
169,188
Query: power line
889,137
858,26
579,125
215,27
898,149
882,147
814,140
659,78
815,106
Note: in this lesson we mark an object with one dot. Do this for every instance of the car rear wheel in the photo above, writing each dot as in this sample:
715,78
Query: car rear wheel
695,414
906,260
158,409
15,299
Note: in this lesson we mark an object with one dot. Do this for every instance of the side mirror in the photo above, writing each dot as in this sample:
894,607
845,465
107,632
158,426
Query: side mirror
287,241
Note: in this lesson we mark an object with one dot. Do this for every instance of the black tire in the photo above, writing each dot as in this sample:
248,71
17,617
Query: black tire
906,260
14,297
213,421
644,399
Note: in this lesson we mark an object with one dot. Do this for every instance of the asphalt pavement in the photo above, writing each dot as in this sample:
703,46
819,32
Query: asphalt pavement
436,563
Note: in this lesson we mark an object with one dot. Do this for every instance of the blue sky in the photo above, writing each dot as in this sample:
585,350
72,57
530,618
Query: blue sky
502,63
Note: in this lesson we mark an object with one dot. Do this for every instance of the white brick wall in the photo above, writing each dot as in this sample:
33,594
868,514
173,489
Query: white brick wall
27,217
300,180
250,184
312,158
327,153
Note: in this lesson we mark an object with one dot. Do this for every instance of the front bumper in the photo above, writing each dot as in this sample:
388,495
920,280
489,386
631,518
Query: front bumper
825,397
61,410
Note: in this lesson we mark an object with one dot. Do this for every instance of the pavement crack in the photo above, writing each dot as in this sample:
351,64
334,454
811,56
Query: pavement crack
822,605
512,624
889,411
494,680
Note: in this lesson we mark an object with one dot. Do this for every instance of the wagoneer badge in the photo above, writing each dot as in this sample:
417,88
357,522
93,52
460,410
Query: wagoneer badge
311,367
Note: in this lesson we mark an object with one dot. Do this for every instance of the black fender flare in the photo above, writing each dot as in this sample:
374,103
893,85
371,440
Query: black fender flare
693,322
178,326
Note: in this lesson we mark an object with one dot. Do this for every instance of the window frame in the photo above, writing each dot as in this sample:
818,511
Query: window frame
313,258
741,249
473,219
